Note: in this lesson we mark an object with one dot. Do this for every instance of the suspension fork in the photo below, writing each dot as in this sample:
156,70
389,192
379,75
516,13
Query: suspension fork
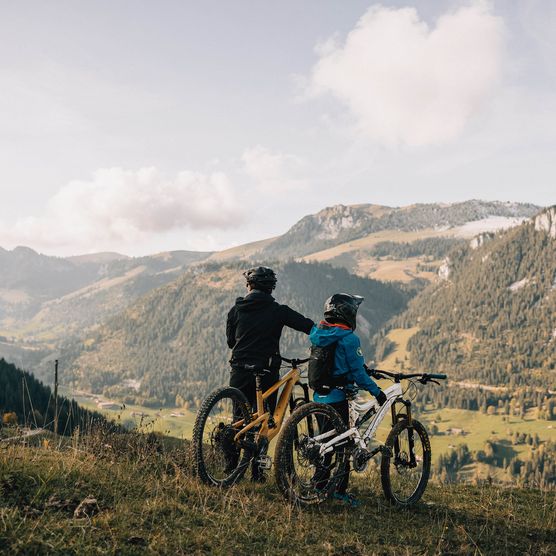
310,428
411,441
305,389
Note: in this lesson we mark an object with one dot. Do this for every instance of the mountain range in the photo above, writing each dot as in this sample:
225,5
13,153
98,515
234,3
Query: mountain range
51,303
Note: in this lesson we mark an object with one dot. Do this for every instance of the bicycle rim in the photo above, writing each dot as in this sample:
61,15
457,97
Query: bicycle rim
405,473
221,460
309,477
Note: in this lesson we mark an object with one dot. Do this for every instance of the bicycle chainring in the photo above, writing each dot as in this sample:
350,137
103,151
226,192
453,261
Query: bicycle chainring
360,459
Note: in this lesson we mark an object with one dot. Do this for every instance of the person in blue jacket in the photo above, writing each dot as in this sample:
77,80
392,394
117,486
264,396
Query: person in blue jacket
338,326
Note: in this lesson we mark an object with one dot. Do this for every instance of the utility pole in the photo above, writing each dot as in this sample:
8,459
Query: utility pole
56,396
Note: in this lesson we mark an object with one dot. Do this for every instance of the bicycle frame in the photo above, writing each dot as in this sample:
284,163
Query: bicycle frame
270,424
393,395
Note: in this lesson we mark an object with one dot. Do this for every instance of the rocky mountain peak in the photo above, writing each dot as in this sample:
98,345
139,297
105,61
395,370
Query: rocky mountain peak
334,219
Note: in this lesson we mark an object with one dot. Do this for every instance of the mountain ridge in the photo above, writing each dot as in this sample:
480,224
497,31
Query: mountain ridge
47,300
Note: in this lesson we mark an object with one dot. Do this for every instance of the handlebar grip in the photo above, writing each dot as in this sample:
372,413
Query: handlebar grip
438,376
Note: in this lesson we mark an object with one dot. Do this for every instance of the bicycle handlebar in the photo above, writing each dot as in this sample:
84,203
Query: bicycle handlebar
423,377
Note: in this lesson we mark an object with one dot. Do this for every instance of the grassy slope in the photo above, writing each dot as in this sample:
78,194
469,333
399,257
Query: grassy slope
372,239
400,336
149,503
157,420
400,270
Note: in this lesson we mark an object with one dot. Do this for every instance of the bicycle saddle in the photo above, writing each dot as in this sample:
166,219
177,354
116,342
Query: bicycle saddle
257,370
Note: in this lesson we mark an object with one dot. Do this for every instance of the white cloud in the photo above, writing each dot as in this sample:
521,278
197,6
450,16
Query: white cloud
123,206
274,172
407,83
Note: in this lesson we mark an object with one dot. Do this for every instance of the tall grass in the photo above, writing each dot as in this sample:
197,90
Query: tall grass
150,502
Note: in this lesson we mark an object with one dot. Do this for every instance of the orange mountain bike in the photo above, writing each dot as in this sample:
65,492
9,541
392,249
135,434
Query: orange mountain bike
228,434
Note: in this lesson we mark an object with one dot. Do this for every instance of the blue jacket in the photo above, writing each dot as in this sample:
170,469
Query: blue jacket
348,362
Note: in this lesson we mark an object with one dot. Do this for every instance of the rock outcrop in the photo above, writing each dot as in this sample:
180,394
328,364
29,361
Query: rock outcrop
546,222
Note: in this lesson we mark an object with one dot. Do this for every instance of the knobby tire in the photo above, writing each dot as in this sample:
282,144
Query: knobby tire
285,453
388,467
199,442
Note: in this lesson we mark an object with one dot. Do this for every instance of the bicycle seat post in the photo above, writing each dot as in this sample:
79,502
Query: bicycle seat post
259,393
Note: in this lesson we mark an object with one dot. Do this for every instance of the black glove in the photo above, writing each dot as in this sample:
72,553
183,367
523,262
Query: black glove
381,397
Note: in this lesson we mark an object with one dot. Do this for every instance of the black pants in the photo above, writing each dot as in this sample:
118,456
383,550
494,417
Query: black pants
324,426
245,381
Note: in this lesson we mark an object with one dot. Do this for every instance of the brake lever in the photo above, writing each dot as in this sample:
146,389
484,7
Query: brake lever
426,380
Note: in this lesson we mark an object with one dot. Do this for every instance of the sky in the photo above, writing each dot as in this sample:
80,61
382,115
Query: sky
138,126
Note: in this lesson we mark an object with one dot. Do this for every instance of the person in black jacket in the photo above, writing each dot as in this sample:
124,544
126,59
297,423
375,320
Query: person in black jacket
253,331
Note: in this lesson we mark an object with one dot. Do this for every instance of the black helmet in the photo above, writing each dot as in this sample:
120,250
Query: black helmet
261,278
342,307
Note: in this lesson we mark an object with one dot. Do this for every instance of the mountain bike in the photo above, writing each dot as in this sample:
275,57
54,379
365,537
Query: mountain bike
228,434
316,447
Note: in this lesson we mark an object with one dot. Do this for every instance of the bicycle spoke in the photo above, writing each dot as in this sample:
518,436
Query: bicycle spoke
304,474
220,453
408,470
405,473
220,459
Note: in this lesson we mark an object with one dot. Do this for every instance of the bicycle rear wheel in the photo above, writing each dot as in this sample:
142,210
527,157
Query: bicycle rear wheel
405,474
217,458
303,475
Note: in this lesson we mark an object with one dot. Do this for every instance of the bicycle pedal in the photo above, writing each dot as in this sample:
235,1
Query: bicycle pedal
264,462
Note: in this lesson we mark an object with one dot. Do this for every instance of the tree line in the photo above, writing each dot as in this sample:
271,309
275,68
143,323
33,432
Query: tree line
32,403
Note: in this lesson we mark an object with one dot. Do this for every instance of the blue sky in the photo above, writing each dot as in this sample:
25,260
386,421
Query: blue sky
142,126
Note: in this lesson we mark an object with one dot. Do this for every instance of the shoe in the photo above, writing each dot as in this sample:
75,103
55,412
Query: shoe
347,499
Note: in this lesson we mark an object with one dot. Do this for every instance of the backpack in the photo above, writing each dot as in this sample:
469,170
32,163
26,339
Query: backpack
321,364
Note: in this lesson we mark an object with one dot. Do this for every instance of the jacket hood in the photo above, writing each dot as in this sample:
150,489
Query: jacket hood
253,301
325,334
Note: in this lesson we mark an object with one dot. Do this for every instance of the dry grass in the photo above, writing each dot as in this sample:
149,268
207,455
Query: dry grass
372,239
149,502
241,251
399,270
400,336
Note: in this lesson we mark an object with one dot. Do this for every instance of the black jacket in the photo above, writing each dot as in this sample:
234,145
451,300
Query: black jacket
254,327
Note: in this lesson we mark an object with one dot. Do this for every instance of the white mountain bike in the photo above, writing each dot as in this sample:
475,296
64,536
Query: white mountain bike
316,449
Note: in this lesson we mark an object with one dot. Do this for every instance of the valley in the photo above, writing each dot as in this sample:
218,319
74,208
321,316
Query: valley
144,337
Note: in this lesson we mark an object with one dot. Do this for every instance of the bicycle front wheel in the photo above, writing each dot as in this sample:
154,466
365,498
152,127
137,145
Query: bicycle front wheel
304,475
217,458
405,472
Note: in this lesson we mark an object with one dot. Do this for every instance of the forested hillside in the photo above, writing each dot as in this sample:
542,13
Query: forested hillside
33,403
493,317
45,300
170,345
